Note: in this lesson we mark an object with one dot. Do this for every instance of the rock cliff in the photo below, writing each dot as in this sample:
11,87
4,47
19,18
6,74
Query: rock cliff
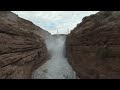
93,47
22,48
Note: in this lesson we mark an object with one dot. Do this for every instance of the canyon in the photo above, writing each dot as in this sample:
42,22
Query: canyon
90,51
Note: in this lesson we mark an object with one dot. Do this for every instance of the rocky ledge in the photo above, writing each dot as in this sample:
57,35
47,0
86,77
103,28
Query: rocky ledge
93,47
22,49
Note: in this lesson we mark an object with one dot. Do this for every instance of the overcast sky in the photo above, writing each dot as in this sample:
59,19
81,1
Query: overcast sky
55,20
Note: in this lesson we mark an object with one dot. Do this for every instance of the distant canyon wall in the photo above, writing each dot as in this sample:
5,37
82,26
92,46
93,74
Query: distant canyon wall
93,47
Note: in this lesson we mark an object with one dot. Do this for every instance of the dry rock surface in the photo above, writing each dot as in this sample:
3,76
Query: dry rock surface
93,47
22,46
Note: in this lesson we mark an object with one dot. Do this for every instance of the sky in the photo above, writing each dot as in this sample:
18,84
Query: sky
53,21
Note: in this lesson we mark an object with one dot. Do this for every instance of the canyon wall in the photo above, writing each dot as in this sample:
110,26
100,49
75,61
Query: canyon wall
93,47
22,46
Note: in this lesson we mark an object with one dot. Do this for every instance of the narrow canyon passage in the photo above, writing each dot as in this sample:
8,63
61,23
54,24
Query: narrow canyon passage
57,67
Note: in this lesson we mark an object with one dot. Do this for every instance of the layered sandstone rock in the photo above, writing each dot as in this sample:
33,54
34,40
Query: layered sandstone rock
21,49
93,47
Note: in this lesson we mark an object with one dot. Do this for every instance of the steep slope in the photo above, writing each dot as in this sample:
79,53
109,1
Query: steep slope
93,47
21,50
13,19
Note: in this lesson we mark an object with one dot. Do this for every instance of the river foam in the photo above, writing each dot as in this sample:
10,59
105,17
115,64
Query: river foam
57,67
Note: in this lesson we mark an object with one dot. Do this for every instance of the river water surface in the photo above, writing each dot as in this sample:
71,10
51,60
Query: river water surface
57,67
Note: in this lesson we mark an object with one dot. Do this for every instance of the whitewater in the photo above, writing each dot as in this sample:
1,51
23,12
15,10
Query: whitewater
57,67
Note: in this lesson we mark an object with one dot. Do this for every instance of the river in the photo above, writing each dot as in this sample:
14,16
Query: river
57,67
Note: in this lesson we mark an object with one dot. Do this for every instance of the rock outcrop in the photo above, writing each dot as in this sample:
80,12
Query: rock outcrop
93,47
22,49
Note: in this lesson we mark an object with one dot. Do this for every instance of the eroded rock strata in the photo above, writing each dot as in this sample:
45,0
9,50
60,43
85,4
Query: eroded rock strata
93,47
22,48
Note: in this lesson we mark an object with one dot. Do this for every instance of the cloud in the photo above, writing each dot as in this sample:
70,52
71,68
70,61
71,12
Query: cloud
55,20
